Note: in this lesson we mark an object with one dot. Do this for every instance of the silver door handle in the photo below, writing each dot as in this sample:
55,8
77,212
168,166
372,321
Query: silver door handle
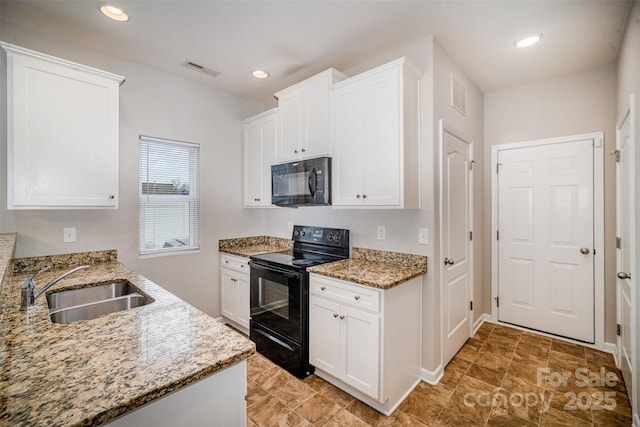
584,251
335,314
622,275
448,261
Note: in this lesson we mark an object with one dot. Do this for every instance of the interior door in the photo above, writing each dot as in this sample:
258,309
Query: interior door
456,245
545,238
624,198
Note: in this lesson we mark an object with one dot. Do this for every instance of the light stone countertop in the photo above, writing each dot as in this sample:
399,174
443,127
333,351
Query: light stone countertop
374,268
7,245
91,371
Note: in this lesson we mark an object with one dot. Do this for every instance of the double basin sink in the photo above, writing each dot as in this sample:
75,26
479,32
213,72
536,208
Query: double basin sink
94,301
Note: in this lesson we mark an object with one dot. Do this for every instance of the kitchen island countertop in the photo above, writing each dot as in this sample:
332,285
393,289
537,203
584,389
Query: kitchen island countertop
91,371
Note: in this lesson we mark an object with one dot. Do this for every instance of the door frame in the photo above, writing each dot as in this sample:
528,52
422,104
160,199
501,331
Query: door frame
598,226
445,127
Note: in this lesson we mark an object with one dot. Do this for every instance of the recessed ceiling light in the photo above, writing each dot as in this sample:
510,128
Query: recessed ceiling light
528,40
260,74
113,12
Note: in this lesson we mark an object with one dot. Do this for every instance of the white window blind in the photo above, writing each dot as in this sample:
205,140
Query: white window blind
169,195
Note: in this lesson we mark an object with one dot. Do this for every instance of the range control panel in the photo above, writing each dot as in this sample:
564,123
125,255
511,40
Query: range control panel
321,235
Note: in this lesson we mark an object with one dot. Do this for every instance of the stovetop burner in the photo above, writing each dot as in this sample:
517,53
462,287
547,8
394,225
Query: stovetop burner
311,246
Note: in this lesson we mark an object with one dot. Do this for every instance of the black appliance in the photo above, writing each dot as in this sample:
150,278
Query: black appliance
279,295
302,183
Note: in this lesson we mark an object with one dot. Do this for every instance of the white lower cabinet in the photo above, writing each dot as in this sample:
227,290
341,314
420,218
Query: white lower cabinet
366,341
234,285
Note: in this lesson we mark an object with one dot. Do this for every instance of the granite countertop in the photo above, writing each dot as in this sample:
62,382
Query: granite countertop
91,371
248,246
7,244
378,269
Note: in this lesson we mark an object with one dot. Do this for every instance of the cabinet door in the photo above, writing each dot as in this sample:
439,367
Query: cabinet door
361,337
229,295
63,135
259,154
382,138
316,119
347,161
253,175
289,107
242,307
325,348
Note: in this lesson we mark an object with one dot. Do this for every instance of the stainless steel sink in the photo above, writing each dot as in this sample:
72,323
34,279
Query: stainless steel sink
94,301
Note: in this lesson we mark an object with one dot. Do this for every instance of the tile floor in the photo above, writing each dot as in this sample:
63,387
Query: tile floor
494,380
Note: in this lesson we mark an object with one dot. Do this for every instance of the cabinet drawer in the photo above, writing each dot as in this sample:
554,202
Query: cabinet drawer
346,293
234,263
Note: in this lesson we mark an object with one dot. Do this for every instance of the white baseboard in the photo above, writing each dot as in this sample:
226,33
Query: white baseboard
636,420
432,377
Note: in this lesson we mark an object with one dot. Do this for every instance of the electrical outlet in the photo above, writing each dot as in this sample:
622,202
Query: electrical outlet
381,232
423,236
69,234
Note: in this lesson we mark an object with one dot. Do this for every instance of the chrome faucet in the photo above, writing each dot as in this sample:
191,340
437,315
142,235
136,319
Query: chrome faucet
28,287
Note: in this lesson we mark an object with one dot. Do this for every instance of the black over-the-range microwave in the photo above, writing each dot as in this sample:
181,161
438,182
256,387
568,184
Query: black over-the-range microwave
302,183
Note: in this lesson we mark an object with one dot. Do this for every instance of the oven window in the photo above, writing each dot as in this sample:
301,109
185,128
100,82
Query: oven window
273,297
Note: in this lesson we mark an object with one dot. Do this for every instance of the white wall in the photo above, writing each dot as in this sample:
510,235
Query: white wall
629,83
574,104
160,105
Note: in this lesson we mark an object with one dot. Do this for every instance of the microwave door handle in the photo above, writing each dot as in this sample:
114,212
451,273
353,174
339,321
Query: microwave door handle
312,182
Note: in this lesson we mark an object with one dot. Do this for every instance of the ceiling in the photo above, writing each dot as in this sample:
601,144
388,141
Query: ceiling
296,39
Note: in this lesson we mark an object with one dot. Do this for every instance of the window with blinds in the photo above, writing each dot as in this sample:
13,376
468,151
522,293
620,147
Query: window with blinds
169,195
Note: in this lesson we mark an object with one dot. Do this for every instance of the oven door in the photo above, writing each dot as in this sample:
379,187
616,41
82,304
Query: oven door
275,296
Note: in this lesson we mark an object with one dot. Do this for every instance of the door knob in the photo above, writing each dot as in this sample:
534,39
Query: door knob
622,275
584,251
448,261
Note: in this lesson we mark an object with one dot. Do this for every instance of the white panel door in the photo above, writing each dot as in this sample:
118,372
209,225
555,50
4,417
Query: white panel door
242,298
545,246
624,196
289,117
229,295
456,248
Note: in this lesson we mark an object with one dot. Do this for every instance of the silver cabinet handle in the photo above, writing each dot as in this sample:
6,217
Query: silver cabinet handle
364,196
357,196
226,261
111,196
322,288
448,261
241,265
335,315
622,275
234,280
584,251
342,317
357,297
295,151
303,150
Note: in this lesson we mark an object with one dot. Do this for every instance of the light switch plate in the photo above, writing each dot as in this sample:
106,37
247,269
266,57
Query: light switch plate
69,234
423,236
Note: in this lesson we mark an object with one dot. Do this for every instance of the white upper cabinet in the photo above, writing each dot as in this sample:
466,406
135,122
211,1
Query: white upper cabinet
305,118
62,129
375,145
259,134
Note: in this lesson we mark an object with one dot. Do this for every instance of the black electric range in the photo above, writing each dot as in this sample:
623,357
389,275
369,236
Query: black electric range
279,295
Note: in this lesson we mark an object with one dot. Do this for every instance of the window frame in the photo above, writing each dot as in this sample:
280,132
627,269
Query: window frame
150,199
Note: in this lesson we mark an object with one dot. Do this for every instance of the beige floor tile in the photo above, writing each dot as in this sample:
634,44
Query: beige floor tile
267,412
344,418
440,393
318,410
568,348
556,418
255,393
365,413
450,417
421,408
293,420
502,418
400,419
334,394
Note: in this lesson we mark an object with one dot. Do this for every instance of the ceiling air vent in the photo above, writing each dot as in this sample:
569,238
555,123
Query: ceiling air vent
201,68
